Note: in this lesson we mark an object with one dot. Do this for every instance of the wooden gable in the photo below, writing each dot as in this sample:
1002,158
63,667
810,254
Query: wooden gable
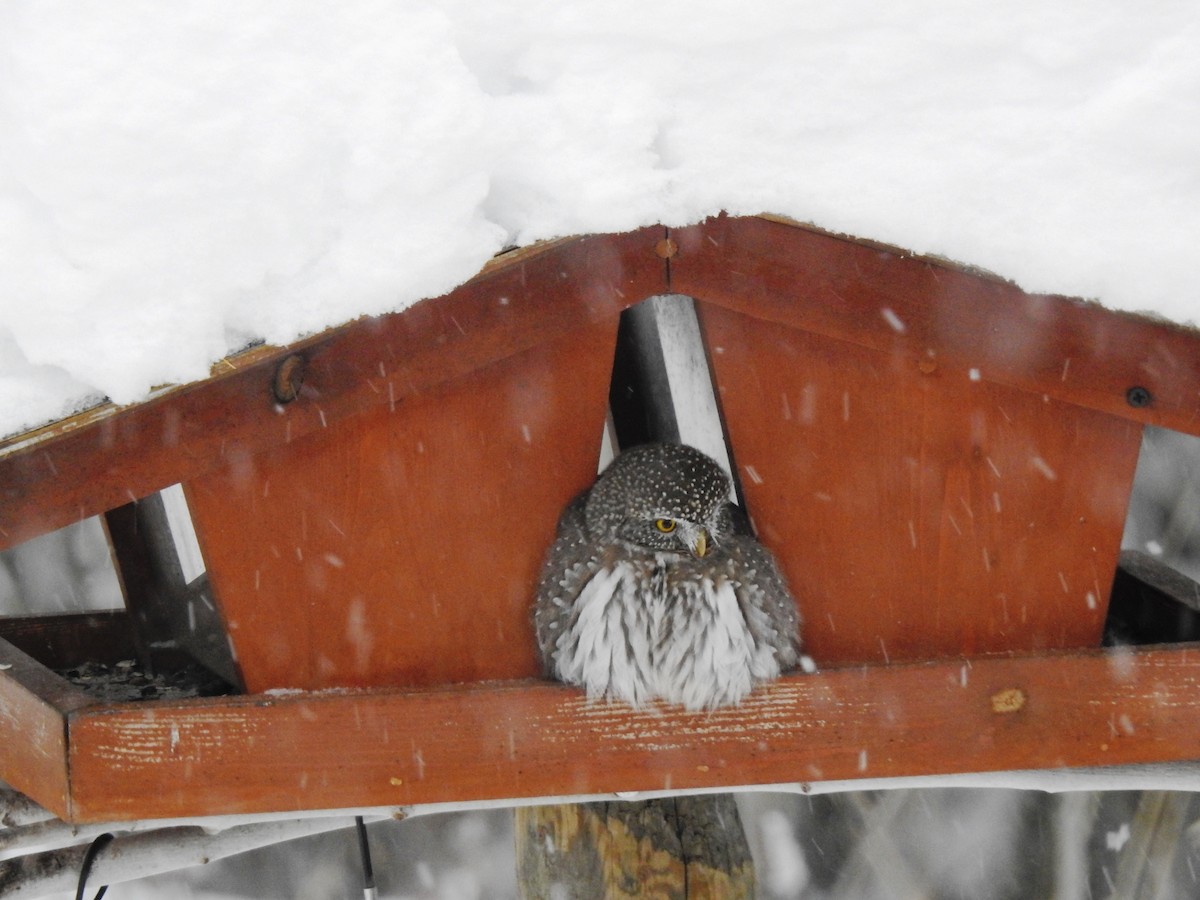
941,462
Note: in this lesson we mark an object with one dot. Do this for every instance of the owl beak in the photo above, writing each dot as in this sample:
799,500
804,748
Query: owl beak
700,544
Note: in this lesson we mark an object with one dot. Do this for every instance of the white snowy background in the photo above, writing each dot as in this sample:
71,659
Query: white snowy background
178,180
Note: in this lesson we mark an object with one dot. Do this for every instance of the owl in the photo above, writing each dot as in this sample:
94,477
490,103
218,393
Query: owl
652,590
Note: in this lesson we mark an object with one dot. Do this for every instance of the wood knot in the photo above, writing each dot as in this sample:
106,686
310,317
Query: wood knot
288,379
1009,700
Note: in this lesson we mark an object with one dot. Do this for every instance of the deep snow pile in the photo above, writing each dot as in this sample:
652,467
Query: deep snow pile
177,180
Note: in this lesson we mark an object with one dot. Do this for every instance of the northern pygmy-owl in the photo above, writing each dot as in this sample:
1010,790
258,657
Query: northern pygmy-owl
650,591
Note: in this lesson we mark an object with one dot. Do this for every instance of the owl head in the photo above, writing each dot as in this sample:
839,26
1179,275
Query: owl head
661,497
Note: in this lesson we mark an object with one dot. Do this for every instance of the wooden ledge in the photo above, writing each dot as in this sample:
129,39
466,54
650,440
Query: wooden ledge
268,753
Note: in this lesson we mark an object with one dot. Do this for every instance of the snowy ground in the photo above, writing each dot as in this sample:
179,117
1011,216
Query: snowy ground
176,181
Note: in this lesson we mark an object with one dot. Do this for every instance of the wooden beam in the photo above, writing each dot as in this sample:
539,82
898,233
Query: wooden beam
163,608
105,458
928,313
34,704
533,739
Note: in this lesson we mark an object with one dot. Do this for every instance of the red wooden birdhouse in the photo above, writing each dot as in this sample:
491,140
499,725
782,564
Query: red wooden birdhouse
940,462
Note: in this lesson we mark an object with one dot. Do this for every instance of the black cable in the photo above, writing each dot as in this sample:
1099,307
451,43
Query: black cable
89,858
364,849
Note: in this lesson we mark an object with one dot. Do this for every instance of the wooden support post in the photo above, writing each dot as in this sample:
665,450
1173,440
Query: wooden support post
163,605
675,848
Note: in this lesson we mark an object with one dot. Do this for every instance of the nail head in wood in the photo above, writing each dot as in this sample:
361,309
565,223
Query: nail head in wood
288,379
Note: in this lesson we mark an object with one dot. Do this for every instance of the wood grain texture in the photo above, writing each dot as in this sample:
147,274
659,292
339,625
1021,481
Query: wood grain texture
669,848
34,704
108,457
920,311
534,739
403,547
919,514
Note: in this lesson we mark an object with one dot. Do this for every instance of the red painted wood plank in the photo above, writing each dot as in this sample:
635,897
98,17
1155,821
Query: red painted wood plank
916,514
403,547
34,704
924,313
101,460
532,739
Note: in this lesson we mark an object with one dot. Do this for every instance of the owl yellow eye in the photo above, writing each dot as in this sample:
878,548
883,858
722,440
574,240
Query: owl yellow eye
666,526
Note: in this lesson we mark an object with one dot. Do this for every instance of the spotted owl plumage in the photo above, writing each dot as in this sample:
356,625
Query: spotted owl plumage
652,591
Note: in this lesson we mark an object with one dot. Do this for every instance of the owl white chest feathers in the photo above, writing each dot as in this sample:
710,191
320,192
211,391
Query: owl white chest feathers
654,626
652,591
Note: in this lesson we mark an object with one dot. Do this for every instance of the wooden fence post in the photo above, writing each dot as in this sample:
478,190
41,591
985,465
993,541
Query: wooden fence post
674,848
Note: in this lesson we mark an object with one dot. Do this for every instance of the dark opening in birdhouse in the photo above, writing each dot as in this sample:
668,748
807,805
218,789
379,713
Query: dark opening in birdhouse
138,623
1155,597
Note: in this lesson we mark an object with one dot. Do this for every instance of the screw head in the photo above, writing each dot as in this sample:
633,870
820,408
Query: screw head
1138,397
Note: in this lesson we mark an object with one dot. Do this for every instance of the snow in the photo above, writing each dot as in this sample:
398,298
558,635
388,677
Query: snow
785,873
176,182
